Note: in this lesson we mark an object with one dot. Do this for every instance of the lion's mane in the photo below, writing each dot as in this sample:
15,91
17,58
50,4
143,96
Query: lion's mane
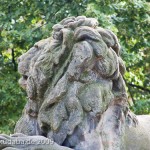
73,77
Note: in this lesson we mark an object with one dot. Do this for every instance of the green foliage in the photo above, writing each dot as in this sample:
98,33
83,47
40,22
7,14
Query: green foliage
12,99
141,107
24,22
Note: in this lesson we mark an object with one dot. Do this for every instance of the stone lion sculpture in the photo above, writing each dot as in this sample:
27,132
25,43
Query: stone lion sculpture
75,88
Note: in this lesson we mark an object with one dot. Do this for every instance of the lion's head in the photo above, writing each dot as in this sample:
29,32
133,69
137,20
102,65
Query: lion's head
70,79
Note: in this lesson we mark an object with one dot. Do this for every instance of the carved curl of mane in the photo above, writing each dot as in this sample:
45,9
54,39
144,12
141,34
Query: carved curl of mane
73,76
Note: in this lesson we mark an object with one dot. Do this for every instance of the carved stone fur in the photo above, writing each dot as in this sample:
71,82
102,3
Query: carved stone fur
75,87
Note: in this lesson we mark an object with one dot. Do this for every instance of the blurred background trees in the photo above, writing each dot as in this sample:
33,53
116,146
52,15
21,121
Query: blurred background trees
24,22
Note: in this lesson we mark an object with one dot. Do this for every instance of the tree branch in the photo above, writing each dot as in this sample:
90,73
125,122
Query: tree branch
13,59
132,97
139,87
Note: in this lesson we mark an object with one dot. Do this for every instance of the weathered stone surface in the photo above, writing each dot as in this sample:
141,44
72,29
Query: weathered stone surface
75,88
138,138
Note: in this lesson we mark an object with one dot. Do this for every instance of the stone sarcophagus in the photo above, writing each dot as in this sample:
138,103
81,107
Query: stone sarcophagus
76,92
